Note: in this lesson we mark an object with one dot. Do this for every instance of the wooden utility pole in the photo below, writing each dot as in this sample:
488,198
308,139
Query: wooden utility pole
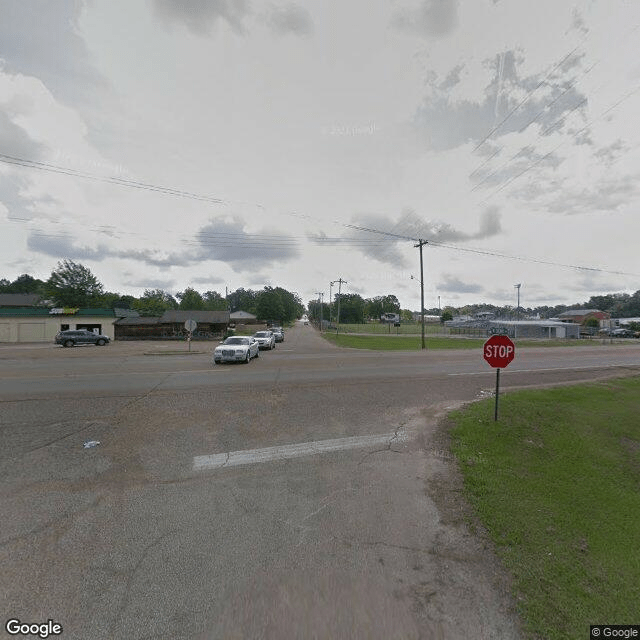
340,283
420,244
320,296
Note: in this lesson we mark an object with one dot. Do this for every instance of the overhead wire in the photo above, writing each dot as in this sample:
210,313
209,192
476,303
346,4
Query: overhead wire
548,105
562,143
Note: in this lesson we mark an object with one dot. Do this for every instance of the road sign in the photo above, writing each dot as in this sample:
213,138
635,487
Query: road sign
499,351
190,325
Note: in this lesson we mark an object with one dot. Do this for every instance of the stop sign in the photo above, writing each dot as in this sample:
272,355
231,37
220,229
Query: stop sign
499,351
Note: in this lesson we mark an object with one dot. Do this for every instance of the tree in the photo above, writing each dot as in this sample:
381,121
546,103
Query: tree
154,302
22,284
243,300
269,305
213,301
406,315
113,300
291,303
446,316
73,285
351,308
190,299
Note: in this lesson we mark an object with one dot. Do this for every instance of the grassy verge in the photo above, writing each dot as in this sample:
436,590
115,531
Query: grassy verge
556,482
401,343
410,343
377,328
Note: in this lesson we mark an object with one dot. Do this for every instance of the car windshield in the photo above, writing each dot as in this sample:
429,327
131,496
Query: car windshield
236,341
262,334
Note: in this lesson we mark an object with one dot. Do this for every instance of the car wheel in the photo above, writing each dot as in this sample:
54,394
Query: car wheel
101,342
258,353
247,360
68,343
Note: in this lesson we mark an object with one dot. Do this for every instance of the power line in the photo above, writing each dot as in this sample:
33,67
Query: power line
532,260
548,105
547,155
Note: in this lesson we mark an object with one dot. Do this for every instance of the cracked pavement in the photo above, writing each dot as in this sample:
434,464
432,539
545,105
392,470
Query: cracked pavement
125,540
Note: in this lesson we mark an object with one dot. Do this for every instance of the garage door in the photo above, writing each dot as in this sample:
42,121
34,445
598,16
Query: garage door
5,332
31,332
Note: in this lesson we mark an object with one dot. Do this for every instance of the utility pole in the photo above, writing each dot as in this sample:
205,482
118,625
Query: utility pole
340,282
420,244
320,296
331,302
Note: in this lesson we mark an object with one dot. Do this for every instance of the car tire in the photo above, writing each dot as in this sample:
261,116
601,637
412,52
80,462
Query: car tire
257,354
101,342
68,343
247,360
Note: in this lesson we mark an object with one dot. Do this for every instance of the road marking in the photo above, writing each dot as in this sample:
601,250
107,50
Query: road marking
288,451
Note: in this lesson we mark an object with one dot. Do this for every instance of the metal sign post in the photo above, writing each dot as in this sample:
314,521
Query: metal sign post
498,351
190,325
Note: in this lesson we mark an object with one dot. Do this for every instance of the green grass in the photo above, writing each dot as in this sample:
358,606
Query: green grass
379,328
395,342
401,343
556,482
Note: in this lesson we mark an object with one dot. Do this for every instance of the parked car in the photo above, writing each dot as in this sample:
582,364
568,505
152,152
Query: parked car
266,339
278,333
622,333
71,338
236,349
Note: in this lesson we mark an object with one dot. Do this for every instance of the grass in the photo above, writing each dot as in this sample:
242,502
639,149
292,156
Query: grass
379,328
410,342
401,343
556,482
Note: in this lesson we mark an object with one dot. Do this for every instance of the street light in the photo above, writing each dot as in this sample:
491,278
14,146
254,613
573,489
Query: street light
517,286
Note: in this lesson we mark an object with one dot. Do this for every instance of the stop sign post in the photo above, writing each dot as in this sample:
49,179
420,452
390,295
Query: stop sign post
498,351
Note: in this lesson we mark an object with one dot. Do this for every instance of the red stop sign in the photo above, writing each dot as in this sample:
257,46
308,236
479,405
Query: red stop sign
499,351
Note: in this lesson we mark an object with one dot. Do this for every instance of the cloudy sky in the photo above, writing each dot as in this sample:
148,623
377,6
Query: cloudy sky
239,143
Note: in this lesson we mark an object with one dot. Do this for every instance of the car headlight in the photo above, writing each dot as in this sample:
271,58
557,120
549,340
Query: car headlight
239,351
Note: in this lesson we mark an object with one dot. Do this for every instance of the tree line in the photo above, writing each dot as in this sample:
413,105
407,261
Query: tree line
73,285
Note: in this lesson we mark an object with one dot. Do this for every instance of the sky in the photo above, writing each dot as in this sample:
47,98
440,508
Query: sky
237,143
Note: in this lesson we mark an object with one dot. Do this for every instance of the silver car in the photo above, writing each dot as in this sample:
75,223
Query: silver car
278,333
266,339
236,349
80,336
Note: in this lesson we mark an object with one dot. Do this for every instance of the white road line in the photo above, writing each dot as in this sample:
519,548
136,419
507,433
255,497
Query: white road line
285,452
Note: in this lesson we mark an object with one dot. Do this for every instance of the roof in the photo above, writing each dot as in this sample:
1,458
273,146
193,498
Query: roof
215,317
23,311
126,313
579,312
136,322
19,299
43,311
530,323
242,315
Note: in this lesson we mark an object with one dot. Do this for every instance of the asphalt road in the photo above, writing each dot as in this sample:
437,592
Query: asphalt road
332,508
